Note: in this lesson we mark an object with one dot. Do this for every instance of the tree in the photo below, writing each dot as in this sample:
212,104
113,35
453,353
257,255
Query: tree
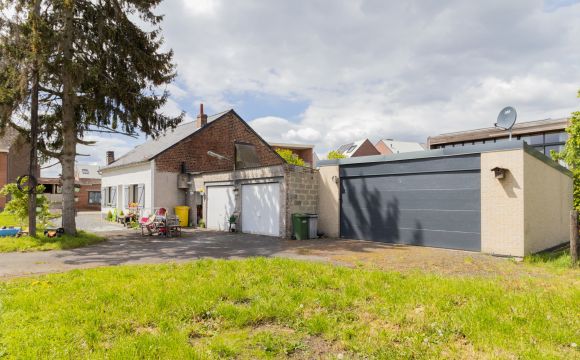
104,73
290,157
333,154
571,153
20,51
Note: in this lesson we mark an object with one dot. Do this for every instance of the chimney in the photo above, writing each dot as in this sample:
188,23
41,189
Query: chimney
201,118
110,157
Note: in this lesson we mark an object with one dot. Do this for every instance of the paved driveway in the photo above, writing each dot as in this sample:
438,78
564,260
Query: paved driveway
129,247
126,246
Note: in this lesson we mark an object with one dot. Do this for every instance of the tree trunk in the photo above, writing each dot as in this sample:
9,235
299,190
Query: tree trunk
33,124
68,124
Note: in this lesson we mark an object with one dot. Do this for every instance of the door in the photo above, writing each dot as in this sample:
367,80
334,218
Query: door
221,202
261,209
429,202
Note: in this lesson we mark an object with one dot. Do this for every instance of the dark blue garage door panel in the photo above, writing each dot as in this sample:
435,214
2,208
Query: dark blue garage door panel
440,209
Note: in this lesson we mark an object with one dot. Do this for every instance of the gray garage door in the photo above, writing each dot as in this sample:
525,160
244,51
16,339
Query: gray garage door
431,202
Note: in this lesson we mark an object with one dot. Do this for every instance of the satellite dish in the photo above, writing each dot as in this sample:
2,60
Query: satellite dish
506,119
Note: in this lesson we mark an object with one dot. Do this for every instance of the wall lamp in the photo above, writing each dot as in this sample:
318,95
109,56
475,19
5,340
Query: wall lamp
499,173
218,156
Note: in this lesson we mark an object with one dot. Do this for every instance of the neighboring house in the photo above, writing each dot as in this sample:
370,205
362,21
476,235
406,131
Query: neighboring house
218,166
542,135
14,159
358,148
390,146
87,189
305,152
88,180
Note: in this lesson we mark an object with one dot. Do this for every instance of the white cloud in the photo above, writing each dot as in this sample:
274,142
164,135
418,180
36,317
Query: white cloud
373,68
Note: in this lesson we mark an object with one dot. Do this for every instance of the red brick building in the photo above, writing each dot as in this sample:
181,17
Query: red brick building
14,159
358,148
87,185
217,166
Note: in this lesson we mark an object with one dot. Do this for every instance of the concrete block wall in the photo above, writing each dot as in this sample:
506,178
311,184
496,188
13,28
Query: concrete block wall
548,197
528,210
502,204
302,193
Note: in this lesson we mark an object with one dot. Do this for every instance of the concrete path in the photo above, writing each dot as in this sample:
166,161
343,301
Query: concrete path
92,221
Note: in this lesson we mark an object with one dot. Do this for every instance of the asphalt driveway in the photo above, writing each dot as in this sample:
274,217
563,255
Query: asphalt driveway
125,246
129,247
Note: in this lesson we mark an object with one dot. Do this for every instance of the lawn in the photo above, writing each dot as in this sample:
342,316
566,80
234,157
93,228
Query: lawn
276,308
41,242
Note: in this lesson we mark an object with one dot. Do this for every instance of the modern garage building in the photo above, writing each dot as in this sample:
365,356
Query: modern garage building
500,198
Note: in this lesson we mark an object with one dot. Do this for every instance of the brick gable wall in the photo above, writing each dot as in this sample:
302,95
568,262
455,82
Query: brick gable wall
366,149
218,136
382,148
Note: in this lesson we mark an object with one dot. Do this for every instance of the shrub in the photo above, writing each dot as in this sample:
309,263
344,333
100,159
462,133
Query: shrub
110,215
201,223
290,157
333,154
18,204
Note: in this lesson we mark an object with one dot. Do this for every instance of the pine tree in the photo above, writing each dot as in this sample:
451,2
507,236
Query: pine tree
104,74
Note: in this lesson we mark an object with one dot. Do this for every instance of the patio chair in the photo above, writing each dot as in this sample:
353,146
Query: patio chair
148,223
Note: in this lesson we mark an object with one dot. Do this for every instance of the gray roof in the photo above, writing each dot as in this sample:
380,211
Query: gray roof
449,151
154,147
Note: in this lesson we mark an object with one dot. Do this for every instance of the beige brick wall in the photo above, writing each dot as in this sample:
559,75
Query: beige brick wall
502,204
528,210
548,201
328,206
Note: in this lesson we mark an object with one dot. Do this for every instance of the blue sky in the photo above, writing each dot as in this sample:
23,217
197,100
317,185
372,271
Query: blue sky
329,72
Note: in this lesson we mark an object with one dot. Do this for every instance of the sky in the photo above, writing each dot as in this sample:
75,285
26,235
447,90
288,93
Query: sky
328,72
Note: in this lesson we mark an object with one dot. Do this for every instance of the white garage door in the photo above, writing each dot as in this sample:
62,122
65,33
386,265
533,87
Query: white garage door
221,203
261,209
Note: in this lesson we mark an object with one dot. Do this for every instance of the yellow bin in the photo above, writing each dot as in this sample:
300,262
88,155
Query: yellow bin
183,213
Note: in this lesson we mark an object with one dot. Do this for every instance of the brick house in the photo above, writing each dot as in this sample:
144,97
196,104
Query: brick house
87,184
218,166
14,159
358,148
88,181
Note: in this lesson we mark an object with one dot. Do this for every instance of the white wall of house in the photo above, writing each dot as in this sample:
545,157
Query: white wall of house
167,194
119,179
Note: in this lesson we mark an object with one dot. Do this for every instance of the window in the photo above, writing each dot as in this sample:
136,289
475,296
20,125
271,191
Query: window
351,149
94,197
246,156
533,139
110,196
556,137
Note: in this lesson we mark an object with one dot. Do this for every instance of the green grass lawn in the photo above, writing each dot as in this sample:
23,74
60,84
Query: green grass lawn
41,242
276,308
